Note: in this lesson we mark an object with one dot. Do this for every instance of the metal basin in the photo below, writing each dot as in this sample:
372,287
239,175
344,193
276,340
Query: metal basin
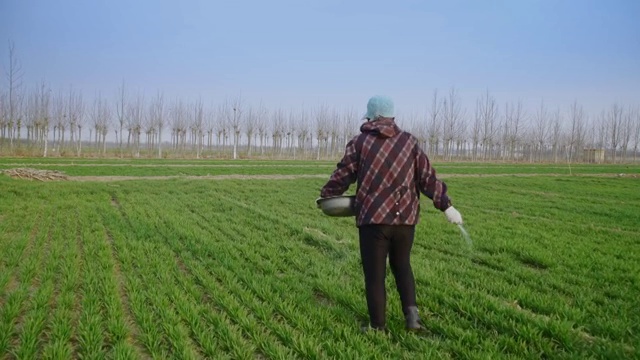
338,205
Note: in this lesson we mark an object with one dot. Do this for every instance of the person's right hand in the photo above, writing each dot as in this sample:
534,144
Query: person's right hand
453,215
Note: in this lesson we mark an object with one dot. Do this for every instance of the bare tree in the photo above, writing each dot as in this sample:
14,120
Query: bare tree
278,122
576,137
225,112
556,133
178,125
349,118
43,116
488,110
304,133
461,136
590,134
105,121
512,128
291,131
626,132
210,125
19,118
4,116
30,115
541,131
250,122
476,142
452,115
160,119
333,133
636,133
101,118
59,117
519,124
197,127
76,114
122,112
434,124
232,115
417,128
529,144
614,120
15,96
149,127
321,116
261,126
601,129
135,116
79,120
185,115
191,125
33,117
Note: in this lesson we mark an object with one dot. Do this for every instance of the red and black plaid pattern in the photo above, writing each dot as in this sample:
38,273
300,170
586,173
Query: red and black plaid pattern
391,171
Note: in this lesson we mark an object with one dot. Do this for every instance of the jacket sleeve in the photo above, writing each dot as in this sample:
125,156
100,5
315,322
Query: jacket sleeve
428,184
345,174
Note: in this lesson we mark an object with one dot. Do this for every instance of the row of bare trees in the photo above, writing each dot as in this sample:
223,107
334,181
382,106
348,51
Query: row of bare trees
39,122
511,133
134,126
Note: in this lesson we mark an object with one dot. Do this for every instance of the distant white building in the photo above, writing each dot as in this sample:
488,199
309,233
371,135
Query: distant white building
593,155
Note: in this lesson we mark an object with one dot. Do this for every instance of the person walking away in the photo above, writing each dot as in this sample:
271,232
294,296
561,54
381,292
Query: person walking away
391,171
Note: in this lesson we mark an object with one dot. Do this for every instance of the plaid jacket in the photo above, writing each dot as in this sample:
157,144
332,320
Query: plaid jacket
391,171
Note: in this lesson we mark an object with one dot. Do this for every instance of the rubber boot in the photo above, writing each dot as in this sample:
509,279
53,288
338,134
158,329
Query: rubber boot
413,319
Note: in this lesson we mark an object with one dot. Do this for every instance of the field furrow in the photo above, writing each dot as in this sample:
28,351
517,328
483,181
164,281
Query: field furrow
24,312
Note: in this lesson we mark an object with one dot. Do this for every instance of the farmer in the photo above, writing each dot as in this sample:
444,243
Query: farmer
391,171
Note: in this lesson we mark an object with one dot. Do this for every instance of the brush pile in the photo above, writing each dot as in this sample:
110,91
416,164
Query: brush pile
35,174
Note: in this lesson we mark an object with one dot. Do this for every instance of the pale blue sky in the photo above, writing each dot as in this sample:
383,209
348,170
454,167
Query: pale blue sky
290,53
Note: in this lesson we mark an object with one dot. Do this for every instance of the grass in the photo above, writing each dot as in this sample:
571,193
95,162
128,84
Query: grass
246,269
158,167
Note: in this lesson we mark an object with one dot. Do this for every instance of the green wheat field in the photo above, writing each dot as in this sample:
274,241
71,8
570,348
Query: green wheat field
144,259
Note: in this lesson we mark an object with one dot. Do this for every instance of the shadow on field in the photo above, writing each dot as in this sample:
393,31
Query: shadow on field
322,298
488,258
324,245
530,261
488,262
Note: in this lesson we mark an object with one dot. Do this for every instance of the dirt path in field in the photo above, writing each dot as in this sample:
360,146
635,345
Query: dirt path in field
308,176
204,177
444,176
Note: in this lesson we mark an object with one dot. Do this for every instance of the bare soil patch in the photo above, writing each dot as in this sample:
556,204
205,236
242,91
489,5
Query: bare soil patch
35,174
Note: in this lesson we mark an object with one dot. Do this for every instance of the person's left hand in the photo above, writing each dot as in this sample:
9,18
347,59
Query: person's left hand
453,215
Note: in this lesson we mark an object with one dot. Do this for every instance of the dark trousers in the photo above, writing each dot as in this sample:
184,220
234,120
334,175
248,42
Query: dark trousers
376,243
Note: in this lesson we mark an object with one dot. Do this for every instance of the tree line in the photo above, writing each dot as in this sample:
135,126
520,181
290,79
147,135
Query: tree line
39,122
